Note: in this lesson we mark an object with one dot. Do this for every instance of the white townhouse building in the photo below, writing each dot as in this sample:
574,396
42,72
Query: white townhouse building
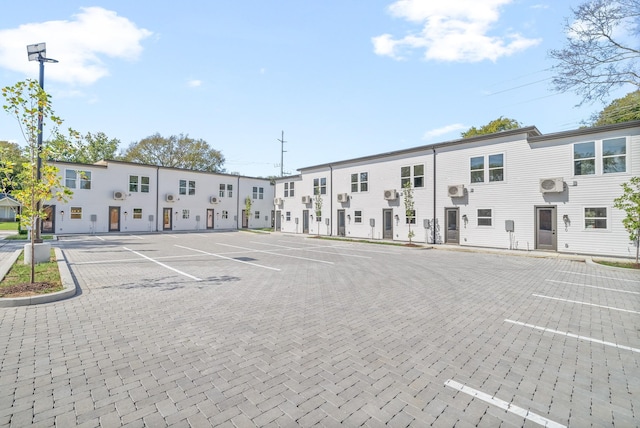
115,196
516,189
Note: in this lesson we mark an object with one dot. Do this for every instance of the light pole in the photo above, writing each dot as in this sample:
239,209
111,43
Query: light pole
37,52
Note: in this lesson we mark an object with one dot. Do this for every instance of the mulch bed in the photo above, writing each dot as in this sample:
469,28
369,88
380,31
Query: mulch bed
27,289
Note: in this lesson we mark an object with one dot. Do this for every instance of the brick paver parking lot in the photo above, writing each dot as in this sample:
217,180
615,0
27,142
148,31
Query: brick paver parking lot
243,329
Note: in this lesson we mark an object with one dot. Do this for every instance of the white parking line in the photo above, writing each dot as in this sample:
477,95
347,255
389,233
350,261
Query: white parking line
276,254
586,304
592,286
599,276
163,265
533,417
312,250
228,258
575,336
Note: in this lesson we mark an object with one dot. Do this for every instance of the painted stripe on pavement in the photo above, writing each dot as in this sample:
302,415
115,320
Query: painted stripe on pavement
163,265
586,304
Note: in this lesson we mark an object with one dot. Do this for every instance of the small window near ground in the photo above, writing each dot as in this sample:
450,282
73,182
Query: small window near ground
76,213
484,217
137,213
410,217
257,215
185,214
357,216
595,218
288,216
225,214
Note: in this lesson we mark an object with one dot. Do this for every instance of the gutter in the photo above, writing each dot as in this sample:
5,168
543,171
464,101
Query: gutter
433,226
158,197
331,201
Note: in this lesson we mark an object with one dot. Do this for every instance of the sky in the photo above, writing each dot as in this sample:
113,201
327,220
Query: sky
341,79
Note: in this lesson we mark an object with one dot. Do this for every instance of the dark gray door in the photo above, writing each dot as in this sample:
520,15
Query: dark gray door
451,224
546,238
387,224
278,218
341,223
305,221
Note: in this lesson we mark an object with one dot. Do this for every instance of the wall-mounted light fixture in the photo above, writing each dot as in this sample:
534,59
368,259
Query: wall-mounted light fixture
465,219
62,214
567,222
125,215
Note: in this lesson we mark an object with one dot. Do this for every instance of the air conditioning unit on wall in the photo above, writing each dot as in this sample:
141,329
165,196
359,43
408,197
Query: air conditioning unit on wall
277,201
390,194
456,191
551,185
306,199
343,197
170,197
117,195
214,200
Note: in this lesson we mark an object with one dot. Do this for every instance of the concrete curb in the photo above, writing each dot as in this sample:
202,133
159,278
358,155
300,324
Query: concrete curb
68,283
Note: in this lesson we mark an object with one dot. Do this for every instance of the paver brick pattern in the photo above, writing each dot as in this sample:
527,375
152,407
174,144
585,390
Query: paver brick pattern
342,334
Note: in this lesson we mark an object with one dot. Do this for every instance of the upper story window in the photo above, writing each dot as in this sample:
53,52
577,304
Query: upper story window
482,166
230,190
289,189
584,158
258,193
138,183
73,177
600,157
360,182
413,175
320,186
614,155
222,189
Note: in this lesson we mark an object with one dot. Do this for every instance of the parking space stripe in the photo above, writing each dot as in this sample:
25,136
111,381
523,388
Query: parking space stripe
592,286
228,258
533,417
276,254
586,304
599,276
574,336
312,250
195,278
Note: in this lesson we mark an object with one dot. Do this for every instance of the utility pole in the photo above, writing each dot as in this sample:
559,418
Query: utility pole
282,152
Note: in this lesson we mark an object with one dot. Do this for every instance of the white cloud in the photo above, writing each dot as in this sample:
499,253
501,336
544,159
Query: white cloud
194,83
443,130
452,31
79,44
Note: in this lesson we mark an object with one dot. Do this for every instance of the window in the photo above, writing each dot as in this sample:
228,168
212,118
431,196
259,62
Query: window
221,192
357,216
137,213
258,193
288,189
76,213
360,182
406,177
496,167
183,187
410,217
133,183
192,187
320,186
477,169
484,217
85,180
185,214
584,158
595,218
225,214
230,190
288,216
144,184
70,177
614,155
187,186
257,215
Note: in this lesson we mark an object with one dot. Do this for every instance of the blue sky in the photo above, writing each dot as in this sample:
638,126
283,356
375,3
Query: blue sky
342,79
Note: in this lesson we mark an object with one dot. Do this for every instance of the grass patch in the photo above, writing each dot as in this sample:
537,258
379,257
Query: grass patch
366,241
17,281
626,265
25,237
9,225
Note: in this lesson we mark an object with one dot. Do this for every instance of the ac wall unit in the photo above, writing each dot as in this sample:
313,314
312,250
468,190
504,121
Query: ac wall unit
214,199
551,185
456,191
343,197
306,199
119,195
277,201
170,197
390,195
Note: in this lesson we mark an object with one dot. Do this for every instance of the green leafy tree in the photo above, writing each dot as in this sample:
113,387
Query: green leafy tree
26,101
11,159
629,202
88,149
601,52
620,110
317,200
497,125
247,208
409,207
176,152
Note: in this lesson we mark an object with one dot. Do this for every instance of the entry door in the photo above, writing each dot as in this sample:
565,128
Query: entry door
452,226
278,219
210,216
245,219
114,219
305,221
387,224
166,219
341,223
546,238
48,223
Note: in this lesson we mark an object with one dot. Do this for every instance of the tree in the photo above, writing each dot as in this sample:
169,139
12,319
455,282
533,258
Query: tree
409,210
11,160
89,149
317,199
601,51
620,110
497,125
247,208
28,102
629,202
176,152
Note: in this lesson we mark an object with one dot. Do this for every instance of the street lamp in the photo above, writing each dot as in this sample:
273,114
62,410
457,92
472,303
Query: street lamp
38,52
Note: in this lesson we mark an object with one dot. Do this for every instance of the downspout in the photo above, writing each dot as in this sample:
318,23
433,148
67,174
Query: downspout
331,201
433,226
157,196
238,210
